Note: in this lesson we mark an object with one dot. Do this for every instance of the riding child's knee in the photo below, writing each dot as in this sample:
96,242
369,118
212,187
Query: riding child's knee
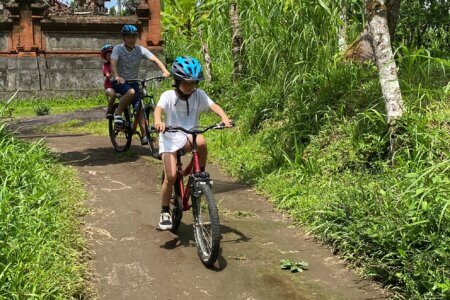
201,142
170,178
110,92
131,92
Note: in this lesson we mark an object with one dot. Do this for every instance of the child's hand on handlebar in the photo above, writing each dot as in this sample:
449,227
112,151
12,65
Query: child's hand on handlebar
160,126
119,79
227,122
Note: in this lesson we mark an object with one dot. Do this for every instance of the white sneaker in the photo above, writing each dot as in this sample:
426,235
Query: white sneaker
165,222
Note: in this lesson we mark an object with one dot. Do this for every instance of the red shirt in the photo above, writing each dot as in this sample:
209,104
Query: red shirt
106,68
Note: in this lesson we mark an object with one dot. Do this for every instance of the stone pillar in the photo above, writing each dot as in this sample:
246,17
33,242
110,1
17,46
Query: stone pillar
154,35
26,36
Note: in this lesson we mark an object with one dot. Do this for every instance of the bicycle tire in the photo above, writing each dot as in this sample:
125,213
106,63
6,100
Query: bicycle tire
207,238
152,135
176,208
121,138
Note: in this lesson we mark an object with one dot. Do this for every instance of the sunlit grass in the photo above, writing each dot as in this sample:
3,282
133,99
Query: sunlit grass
98,128
312,137
27,108
41,241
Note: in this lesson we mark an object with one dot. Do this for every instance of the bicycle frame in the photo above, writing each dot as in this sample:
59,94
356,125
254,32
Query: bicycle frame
142,96
192,168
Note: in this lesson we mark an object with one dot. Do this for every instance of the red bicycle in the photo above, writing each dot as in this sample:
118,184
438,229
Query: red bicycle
198,188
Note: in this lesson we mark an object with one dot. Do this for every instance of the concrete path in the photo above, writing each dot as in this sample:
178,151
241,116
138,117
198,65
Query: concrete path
132,260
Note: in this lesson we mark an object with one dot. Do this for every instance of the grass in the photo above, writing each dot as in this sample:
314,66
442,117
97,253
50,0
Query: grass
390,220
42,247
98,128
312,136
33,107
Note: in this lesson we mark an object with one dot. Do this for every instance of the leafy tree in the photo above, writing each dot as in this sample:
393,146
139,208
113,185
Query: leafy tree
112,11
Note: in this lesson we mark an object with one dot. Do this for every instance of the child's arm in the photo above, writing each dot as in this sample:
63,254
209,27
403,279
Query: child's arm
160,65
114,71
219,111
159,124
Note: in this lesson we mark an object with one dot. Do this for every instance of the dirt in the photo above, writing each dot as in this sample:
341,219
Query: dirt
132,260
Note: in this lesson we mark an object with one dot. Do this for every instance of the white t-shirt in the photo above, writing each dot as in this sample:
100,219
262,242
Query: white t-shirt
176,114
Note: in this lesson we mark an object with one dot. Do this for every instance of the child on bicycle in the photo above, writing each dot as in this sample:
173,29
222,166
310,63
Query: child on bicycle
181,107
125,63
106,69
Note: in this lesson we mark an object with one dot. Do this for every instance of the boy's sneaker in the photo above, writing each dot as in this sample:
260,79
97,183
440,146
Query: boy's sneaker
165,221
118,121
144,141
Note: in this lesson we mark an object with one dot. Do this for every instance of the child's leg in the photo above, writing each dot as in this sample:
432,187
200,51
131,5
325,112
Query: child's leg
111,95
170,173
126,99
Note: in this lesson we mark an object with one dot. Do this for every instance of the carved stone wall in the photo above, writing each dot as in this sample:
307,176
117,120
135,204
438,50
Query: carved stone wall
60,53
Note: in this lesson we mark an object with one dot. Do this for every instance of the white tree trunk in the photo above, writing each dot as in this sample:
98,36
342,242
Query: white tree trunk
362,49
384,59
237,42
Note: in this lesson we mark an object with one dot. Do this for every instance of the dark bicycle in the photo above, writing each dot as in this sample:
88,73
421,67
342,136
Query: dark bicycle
198,188
121,137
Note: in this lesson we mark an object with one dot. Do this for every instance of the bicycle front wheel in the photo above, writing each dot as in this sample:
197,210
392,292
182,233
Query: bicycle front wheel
121,137
206,225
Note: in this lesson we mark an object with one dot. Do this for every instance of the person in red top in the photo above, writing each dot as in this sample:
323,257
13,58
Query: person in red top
106,68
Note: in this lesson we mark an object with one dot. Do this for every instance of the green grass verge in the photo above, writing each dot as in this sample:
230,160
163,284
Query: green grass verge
99,128
390,217
33,107
41,244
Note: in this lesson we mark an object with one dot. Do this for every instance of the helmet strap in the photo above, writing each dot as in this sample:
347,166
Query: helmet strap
181,95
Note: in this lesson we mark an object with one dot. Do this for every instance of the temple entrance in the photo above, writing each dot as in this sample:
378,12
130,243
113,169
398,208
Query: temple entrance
55,48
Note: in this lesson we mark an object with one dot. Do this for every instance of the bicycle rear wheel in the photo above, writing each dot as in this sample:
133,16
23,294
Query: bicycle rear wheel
121,138
206,225
152,135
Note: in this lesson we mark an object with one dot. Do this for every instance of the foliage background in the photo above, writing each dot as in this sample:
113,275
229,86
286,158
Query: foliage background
312,134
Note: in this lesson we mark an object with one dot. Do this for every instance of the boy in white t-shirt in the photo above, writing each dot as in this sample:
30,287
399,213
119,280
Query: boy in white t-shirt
181,107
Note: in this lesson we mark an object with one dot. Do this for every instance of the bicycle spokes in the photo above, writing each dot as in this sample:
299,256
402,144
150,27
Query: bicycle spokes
206,224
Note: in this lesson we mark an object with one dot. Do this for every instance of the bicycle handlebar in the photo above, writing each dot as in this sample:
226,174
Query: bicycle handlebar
146,79
220,125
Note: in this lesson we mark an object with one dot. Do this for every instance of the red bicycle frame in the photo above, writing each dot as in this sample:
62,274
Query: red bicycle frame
193,167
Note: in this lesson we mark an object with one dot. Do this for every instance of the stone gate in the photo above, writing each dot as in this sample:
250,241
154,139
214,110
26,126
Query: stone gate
47,47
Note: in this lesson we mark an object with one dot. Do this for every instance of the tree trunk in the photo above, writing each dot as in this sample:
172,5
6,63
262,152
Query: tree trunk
237,43
362,49
384,59
343,26
206,56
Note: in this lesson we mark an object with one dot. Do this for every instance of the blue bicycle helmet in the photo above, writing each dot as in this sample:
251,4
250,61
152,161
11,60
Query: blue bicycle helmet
105,49
129,30
187,68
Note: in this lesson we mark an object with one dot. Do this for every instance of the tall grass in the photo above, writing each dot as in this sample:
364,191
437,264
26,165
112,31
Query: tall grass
41,246
312,136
